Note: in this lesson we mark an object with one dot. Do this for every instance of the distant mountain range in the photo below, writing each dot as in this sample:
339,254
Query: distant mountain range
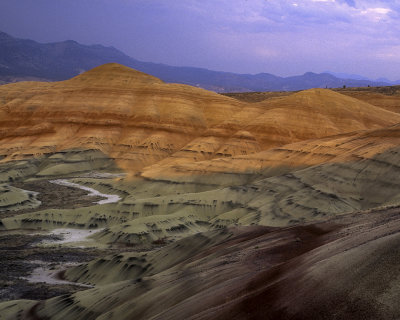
22,59
359,77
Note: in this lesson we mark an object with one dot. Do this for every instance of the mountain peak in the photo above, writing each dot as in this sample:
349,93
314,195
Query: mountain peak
70,42
5,36
310,73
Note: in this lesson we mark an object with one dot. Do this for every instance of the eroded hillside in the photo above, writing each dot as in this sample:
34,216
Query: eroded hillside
208,178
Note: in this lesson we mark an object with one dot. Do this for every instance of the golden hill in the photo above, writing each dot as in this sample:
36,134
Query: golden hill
124,113
323,124
384,97
138,120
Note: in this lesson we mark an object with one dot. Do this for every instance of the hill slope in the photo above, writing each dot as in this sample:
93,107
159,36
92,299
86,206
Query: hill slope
343,268
138,120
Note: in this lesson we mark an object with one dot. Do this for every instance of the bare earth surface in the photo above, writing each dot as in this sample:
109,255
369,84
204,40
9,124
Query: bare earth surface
122,197
54,196
341,269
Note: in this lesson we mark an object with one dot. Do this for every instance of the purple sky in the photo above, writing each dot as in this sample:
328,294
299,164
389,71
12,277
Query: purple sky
245,36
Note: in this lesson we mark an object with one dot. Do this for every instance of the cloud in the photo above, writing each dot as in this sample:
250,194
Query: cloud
280,36
313,31
248,10
350,3
375,14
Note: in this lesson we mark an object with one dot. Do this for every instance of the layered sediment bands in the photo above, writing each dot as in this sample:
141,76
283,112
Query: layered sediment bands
314,193
344,268
306,115
147,214
387,98
233,194
316,113
138,120
241,169
124,113
207,161
58,164
12,198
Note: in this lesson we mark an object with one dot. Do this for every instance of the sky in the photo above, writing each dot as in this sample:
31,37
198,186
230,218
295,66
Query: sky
285,38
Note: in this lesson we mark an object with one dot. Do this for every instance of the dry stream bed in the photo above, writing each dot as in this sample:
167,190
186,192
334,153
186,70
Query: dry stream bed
20,258
32,261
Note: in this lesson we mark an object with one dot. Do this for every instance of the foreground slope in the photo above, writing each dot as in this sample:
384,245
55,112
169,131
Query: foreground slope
341,269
